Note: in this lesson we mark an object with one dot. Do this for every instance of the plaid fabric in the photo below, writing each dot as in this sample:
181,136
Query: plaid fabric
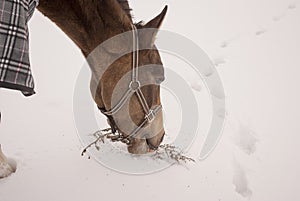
15,70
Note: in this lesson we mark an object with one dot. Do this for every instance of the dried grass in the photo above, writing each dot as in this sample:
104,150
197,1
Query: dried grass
164,152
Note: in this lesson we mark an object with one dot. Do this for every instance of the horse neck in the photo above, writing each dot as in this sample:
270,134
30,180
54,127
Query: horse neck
86,22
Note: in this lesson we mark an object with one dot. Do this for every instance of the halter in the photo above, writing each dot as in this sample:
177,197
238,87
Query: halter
135,88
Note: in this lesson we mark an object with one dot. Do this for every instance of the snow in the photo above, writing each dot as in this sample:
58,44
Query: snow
259,40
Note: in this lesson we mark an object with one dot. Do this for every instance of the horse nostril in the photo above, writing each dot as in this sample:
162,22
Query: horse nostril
151,146
162,137
155,147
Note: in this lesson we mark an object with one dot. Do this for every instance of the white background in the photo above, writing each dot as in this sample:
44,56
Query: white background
255,45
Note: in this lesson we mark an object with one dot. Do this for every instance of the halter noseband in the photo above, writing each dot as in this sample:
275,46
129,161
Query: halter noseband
135,88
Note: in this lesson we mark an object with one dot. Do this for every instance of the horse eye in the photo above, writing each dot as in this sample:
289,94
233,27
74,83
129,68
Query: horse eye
159,80
158,75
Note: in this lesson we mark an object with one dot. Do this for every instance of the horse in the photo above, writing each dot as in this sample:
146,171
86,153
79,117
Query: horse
90,23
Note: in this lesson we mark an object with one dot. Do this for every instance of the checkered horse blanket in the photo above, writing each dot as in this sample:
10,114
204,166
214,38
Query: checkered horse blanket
15,70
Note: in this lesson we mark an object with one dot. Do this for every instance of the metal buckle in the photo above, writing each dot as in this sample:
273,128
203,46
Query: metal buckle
150,116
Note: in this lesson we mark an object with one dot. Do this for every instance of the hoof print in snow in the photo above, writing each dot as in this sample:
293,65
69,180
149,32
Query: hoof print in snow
240,181
278,17
224,44
260,32
219,61
292,6
196,86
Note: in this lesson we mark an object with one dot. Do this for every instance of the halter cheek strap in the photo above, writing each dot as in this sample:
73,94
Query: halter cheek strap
135,88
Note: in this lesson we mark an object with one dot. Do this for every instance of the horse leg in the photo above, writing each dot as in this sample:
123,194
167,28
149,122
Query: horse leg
6,165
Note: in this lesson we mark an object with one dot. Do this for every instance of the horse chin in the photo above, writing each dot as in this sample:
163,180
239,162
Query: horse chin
138,146
144,146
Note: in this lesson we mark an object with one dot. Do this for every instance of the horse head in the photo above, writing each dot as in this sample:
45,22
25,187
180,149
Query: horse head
128,90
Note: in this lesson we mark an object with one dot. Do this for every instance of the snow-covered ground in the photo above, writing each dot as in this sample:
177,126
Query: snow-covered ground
255,46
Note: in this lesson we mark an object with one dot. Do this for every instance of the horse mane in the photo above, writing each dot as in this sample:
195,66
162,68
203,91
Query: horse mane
125,5
85,21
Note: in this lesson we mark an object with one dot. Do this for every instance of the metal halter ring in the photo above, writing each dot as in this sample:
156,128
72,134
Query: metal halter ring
134,85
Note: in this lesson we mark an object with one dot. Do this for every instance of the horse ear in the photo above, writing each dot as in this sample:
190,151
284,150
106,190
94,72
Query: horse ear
157,21
151,28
